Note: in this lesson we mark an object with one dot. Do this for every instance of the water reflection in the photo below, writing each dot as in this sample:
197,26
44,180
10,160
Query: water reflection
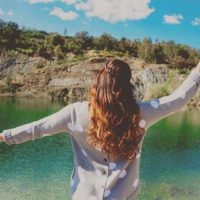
170,164
26,103
191,116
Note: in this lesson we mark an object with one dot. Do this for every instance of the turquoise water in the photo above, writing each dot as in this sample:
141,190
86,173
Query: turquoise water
40,169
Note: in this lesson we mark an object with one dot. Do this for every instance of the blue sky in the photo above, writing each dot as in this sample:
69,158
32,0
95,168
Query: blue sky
177,20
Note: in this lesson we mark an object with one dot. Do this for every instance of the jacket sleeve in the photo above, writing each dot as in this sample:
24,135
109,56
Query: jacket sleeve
156,109
61,121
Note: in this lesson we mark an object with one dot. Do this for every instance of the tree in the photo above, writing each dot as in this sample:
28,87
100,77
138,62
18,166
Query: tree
169,49
105,41
10,33
146,50
158,54
55,40
134,47
74,47
183,52
124,45
65,32
2,23
52,42
83,39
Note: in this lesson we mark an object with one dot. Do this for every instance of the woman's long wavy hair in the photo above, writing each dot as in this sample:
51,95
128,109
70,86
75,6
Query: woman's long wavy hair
114,113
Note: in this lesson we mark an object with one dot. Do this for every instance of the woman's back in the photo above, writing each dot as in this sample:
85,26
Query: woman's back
96,174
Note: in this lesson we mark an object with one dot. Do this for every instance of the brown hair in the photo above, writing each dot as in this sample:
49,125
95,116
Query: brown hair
114,113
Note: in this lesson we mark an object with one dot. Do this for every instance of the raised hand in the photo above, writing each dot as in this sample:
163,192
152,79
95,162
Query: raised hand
1,137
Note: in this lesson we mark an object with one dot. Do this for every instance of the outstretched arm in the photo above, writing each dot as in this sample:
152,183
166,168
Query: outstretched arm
60,121
156,109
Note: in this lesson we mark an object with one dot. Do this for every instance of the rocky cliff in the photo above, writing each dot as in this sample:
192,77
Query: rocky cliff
36,77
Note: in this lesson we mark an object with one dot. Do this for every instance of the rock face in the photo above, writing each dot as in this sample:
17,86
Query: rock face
151,75
36,77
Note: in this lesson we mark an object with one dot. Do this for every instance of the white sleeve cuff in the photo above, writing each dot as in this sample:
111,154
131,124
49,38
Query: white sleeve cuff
7,137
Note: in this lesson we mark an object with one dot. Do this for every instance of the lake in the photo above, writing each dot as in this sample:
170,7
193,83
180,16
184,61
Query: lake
41,169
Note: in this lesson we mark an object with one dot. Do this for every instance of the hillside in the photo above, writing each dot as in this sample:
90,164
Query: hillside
39,64
56,47
70,81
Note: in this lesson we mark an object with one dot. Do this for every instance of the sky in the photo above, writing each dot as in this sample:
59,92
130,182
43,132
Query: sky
177,20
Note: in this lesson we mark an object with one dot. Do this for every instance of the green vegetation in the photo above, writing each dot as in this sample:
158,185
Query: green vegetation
53,46
163,89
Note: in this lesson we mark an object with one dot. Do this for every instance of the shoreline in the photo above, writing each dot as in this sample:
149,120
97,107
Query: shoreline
192,103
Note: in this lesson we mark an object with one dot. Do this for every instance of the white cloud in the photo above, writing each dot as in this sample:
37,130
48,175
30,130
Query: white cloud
114,10
1,12
196,22
173,19
10,13
45,9
70,15
69,2
39,1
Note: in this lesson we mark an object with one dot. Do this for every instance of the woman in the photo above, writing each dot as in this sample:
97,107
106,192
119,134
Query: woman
107,132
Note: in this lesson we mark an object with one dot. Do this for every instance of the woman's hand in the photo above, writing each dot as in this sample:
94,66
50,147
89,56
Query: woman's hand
198,67
1,137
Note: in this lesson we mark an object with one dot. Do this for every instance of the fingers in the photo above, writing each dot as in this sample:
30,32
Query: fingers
1,137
